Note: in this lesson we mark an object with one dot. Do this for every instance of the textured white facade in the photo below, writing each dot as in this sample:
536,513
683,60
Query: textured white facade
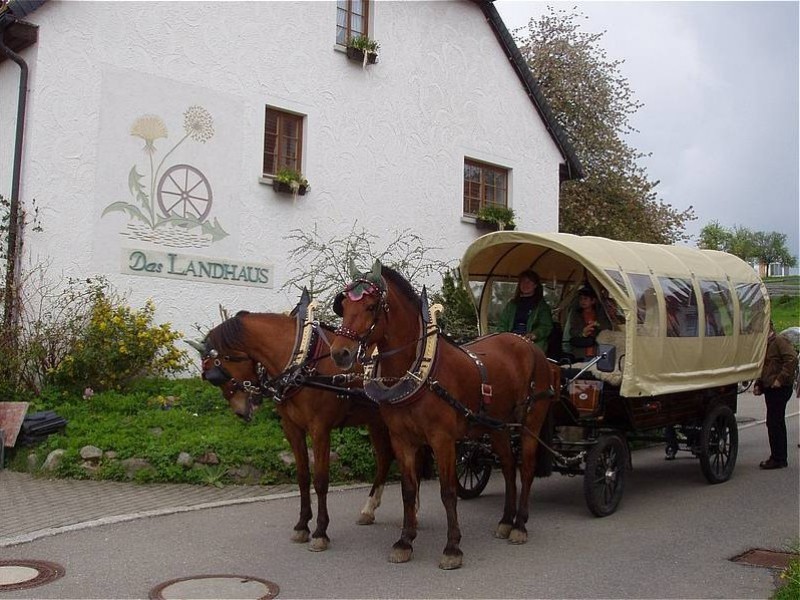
383,145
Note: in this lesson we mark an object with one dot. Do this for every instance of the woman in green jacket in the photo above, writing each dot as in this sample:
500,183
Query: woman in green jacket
528,313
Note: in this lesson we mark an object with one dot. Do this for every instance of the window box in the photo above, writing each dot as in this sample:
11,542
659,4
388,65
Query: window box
495,217
363,49
290,181
485,225
286,188
357,55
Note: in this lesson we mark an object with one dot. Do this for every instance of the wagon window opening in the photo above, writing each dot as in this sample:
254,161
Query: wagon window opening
352,19
283,141
646,304
484,185
752,308
681,306
718,308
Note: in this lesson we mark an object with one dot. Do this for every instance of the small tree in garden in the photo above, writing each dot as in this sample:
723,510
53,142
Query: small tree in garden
323,263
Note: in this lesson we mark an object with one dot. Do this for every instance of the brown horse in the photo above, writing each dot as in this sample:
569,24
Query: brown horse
438,396
255,354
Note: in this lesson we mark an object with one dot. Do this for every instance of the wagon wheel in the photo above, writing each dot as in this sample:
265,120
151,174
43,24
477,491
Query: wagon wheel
183,191
604,478
719,444
473,468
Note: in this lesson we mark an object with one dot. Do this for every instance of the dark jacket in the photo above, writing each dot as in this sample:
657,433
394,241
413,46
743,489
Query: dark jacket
780,362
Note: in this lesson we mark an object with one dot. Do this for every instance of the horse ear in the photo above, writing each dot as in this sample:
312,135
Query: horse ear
425,306
375,274
201,348
351,266
305,296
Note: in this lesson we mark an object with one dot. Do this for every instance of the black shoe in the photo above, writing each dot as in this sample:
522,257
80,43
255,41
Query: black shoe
773,464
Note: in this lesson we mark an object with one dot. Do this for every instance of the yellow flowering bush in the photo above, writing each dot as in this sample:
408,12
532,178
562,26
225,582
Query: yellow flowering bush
117,345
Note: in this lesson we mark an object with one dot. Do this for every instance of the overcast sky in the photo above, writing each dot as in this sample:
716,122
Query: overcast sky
719,83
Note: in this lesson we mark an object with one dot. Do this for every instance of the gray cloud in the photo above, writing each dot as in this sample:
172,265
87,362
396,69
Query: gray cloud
719,81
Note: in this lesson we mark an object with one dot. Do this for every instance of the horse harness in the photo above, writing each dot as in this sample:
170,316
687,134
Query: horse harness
299,372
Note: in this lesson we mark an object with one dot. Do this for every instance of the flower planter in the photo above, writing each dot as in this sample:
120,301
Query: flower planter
357,55
284,188
486,225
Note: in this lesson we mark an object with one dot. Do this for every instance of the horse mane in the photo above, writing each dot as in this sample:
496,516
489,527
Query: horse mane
404,287
229,333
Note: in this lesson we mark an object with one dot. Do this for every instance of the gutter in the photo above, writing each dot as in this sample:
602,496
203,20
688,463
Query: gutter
571,168
10,15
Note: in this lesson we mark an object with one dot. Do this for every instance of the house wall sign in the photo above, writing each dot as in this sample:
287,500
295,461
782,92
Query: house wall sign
173,265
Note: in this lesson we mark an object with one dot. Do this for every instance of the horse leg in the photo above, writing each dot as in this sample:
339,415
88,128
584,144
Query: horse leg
501,445
529,446
402,548
382,444
322,459
445,453
297,440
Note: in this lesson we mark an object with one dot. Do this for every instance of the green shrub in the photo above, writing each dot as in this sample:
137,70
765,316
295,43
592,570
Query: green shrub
790,577
118,344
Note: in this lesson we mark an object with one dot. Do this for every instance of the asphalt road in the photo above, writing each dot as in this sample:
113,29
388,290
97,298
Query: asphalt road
672,537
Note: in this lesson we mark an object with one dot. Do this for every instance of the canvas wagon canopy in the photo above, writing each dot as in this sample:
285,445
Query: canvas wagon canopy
686,319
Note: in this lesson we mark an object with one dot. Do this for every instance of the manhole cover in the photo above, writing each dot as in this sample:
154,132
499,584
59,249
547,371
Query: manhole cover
216,587
765,558
23,574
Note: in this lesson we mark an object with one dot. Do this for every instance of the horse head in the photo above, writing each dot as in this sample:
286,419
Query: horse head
362,306
226,365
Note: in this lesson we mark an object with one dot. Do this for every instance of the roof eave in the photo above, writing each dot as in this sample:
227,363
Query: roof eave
571,168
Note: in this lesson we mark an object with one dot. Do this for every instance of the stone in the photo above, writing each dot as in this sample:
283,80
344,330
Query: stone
91,453
246,474
33,462
53,460
156,431
134,465
185,460
110,455
208,458
90,466
286,457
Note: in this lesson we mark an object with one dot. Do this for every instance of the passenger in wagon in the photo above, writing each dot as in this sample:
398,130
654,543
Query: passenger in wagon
528,313
586,323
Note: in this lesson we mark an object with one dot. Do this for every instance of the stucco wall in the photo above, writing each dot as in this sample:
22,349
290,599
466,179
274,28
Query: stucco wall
384,145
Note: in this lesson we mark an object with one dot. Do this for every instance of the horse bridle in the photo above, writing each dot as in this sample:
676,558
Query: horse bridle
355,292
216,374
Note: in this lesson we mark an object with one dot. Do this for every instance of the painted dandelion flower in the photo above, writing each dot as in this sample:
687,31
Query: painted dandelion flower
198,124
149,128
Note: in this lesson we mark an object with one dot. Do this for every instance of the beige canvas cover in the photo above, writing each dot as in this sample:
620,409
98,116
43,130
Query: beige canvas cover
693,319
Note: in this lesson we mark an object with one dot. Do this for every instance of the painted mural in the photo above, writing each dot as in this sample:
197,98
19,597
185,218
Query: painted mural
171,207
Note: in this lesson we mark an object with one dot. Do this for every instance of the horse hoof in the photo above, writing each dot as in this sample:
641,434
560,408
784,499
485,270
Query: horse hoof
518,537
400,555
300,536
449,562
365,519
319,544
502,532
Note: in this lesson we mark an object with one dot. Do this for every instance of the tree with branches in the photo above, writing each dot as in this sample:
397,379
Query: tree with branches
593,102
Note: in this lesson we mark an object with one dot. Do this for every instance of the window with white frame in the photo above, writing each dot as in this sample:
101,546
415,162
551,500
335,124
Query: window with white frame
283,141
352,19
484,185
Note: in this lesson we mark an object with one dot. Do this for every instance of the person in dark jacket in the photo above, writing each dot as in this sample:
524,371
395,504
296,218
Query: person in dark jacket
587,321
528,313
775,384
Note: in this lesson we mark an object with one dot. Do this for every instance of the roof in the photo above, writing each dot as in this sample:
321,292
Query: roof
655,361
571,169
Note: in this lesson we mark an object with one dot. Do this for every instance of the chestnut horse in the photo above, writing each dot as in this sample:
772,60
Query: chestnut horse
255,354
467,390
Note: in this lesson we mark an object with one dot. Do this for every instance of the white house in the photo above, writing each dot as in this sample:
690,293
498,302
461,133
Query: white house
151,131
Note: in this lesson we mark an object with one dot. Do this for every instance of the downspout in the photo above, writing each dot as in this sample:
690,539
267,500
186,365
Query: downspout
13,215
7,17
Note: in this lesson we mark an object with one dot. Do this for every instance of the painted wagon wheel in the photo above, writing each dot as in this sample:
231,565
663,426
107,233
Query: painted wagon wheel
183,191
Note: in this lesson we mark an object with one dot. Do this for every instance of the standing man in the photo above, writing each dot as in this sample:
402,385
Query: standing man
776,384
